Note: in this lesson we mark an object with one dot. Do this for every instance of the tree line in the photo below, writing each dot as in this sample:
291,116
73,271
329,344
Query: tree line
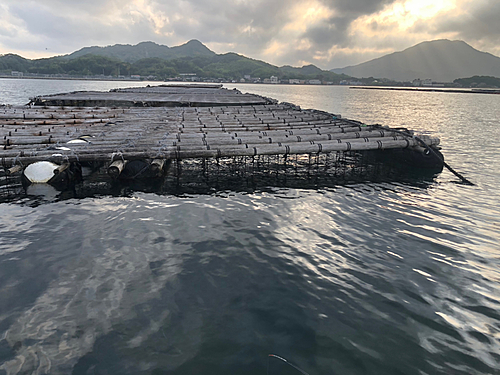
226,66
479,82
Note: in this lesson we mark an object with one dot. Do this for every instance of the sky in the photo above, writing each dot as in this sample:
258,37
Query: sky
326,33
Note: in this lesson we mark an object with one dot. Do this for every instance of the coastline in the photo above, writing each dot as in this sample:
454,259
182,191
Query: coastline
387,88
425,89
74,78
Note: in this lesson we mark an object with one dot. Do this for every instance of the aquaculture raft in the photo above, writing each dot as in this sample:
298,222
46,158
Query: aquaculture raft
161,124
156,96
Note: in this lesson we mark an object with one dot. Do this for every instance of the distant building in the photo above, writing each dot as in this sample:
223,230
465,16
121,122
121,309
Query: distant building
15,73
422,82
314,82
351,83
274,80
427,83
188,77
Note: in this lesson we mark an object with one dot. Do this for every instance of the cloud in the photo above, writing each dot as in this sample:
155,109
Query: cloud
335,30
63,27
251,25
476,22
327,33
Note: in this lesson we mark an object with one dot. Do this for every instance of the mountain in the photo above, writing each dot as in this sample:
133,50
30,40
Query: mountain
131,54
229,66
305,70
8,61
439,60
159,62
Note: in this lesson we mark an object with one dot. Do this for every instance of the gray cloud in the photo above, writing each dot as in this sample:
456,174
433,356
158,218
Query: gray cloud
242,26
67,26
479,23
334,31
329,33
352,9
250,25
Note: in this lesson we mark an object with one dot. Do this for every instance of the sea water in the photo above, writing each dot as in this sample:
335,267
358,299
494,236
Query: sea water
369,278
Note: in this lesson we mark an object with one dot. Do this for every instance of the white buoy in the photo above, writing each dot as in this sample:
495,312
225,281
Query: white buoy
40,172
77,141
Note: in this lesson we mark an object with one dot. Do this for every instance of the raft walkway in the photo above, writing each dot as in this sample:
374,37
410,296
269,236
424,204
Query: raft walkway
165,123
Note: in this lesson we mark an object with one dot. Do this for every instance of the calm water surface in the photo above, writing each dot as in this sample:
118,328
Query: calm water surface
372,278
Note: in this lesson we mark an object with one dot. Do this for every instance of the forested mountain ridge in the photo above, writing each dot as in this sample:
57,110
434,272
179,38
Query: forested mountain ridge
149,59
132,53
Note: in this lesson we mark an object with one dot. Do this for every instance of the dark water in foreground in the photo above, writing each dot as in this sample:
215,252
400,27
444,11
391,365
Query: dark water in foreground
371,278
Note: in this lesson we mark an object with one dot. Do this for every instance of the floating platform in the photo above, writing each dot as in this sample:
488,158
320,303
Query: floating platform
156,96
142,132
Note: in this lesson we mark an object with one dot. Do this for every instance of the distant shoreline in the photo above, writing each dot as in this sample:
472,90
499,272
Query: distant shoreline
391,88
76,78
429,89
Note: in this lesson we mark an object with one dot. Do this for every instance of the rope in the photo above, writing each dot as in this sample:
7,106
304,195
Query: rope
118,153
464,180
129,143
431,150
18,160
284,360
141,171
73,153
161,151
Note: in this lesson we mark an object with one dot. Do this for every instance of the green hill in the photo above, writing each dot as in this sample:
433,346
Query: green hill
149,59
11,62
479,82
305,70
144,50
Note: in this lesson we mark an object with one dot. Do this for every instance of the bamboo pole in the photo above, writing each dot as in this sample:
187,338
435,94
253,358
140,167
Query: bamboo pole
25,143
116,168
157,166
200,140
61,168
175,153
13,170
